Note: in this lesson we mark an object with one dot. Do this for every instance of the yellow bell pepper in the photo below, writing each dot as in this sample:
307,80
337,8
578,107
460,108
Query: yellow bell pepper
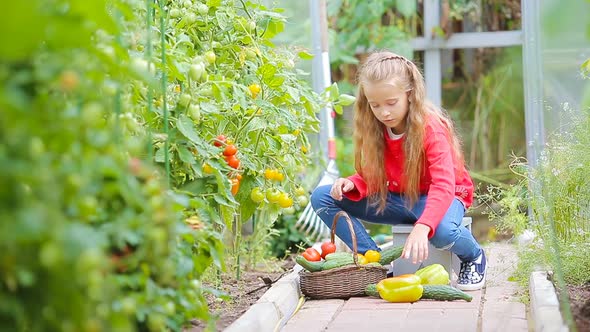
434,274
403,288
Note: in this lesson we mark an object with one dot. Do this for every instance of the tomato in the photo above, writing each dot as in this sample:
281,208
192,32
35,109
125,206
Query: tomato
219,140
230,150
175,13
302,200
128,305
210,57
285,201
194,111
289,211
273,195
251,26
312,255
299,191
195,71
254,89
372,256
328,248
184,99
269,174
207,169
257,195
361,259
278,176
202,9
68,81
235,186
233,161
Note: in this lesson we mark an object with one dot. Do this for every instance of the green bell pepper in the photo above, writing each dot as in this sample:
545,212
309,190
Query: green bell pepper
434,274
403,288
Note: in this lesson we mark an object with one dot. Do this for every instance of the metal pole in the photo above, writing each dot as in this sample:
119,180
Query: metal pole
533,80
321,76
432,65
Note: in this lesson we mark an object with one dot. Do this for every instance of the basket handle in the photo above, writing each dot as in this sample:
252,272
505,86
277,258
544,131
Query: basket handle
352,234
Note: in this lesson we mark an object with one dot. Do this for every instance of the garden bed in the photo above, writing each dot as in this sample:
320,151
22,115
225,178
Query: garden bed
243,293
580,302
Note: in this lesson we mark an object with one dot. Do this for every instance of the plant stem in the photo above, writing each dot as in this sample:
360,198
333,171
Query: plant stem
163,81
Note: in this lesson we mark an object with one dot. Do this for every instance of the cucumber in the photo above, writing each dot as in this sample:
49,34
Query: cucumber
328,265
371,290
390,254
338,255
309,266
444,293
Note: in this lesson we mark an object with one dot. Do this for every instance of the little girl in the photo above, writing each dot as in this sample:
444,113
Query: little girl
410,170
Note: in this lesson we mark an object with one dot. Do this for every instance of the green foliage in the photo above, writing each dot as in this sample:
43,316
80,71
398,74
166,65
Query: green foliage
370,24
91,238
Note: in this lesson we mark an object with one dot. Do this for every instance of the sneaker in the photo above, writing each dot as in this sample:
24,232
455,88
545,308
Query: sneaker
472,275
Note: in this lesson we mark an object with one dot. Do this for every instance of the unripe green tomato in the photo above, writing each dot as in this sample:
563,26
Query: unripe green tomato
289,211
215,44
187,3
251,26
194,111
257,195
169,308
175,13
50,255
184,99
210,57
202,9
302,200
195,71
191,18
128,305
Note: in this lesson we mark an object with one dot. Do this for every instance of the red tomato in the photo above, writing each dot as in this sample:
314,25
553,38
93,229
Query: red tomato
219,140
312,255
235,186
232,161
230,150
328,248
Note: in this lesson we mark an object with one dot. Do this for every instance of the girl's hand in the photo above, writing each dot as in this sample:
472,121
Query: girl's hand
416,245
341,186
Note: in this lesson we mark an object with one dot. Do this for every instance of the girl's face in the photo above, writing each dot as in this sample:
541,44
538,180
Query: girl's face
388,103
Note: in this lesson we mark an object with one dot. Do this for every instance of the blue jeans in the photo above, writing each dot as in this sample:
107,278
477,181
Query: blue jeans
449,234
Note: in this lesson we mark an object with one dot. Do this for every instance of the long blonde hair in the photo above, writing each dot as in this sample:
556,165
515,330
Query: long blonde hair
369,131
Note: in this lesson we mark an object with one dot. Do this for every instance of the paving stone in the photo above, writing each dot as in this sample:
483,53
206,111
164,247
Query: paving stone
368,320
314,315
371,303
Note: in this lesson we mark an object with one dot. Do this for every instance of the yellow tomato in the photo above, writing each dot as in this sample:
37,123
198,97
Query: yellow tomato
372,256
254,89
361,259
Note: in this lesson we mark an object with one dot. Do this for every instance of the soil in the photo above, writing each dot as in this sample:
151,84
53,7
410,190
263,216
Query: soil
580,302
243,294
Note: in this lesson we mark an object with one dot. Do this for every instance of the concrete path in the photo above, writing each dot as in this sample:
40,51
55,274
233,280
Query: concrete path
494,308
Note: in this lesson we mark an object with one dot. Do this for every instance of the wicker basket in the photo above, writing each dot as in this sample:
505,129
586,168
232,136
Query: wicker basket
342,282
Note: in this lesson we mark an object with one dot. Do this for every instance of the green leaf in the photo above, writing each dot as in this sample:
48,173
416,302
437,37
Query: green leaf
267,71
346,100
333,91
185,155
338,109
305,55
185,125
159,156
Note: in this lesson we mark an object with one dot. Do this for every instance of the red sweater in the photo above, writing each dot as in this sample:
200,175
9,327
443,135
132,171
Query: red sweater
444,178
